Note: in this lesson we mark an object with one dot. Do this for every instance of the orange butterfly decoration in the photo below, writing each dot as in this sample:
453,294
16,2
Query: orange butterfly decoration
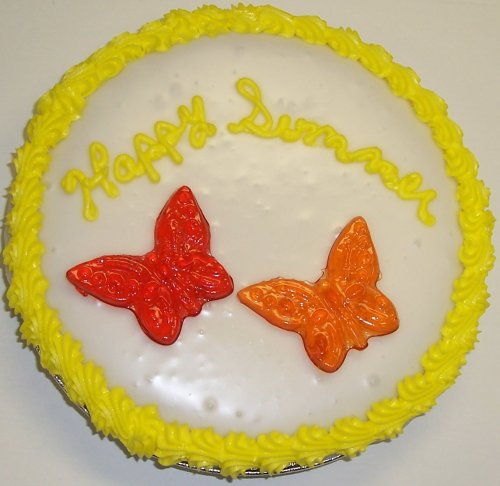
341,311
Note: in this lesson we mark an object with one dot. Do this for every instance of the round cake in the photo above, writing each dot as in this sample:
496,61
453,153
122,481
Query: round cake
213,217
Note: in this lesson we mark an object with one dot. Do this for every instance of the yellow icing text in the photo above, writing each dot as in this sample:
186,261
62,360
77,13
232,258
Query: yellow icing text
147,150
260,122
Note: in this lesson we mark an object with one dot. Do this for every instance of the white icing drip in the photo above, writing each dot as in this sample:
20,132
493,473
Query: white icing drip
274,210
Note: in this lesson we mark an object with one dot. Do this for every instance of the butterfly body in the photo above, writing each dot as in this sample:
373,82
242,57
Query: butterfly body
340,311
167,284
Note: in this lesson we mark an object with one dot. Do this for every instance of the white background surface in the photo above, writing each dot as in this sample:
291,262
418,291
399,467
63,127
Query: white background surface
454,45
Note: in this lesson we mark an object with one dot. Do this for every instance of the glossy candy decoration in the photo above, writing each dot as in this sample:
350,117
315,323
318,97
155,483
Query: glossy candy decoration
341,311
167,284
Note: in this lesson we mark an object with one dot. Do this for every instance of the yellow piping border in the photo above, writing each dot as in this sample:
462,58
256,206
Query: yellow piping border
140,429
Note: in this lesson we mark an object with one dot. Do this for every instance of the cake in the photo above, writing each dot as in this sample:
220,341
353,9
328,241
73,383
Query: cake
279,162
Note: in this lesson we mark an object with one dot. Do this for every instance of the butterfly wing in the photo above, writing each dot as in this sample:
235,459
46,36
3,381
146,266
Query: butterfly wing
130,282
113,279
297,306
352,273
159,316
206,278
181,227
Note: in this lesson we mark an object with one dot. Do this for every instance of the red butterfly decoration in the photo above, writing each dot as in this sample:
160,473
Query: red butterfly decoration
167,284
341,311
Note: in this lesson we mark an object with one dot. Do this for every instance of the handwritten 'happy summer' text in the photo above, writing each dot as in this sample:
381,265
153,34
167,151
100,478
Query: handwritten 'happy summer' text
259,122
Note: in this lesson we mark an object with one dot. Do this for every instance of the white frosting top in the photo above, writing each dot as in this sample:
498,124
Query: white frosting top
274,210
